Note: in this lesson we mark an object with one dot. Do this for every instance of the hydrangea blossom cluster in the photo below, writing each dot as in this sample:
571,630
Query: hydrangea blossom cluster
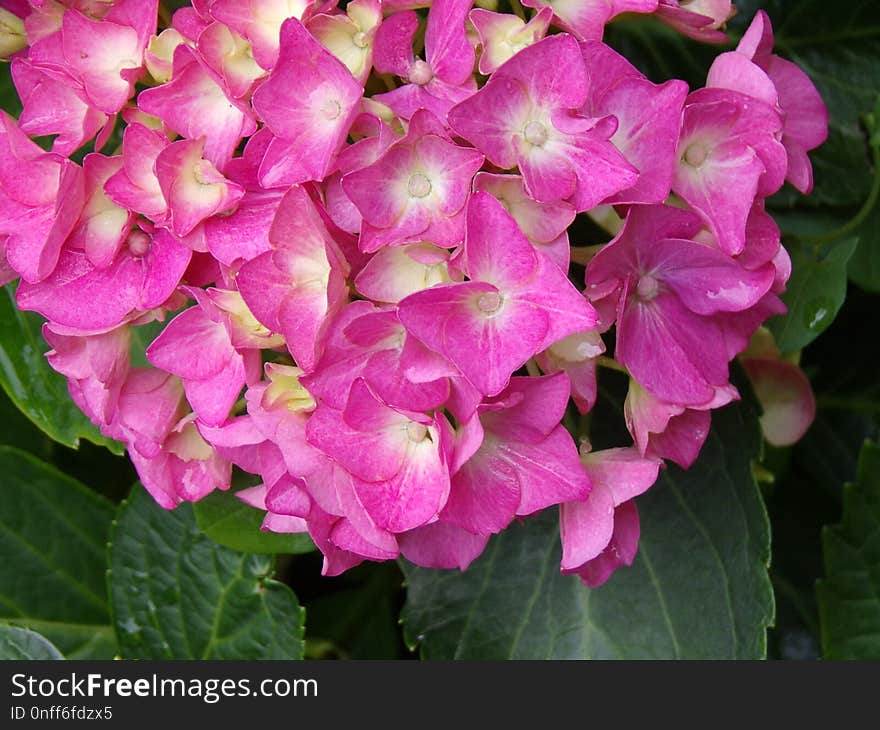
349,227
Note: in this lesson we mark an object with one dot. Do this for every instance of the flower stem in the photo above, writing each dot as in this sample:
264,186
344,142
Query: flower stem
517,8
584,254
607,362
860,217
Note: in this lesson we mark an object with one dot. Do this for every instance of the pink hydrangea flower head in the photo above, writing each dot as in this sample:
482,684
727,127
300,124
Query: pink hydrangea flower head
516,303
308,102
527,115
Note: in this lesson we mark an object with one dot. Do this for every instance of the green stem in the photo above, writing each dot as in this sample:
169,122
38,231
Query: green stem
858,405
164,15
584,254
517,8
860,217
607,362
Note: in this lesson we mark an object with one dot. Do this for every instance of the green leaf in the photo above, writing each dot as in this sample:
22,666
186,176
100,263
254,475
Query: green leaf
815,293
177,595
849,596
37,390
20,644
358,620
232,523
75,641
864,266
16,430
698,588
53,533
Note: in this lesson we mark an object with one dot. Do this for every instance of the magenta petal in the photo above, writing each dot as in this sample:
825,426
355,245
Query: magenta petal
392,47
192,345
81,297
706,280
309,102
683,437
441,545
485,493
489,225
586,527
368,438
668,355
529,409
621,549
360,520
212,398
413,497
623,472
195,105
447,47
486,336
550,472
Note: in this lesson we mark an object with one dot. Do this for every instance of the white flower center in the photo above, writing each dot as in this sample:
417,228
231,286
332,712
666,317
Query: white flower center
647,288
535,133
489,302
419,185
696,154
331,109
